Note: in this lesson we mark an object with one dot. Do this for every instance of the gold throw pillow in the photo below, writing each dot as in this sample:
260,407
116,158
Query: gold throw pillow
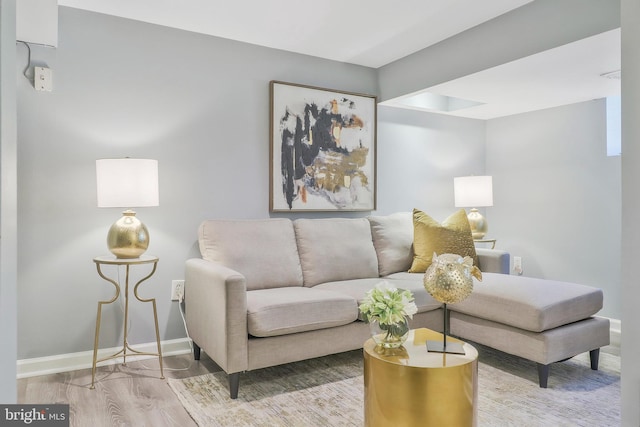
453,236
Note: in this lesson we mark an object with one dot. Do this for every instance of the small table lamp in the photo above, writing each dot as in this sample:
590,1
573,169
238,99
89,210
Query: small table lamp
127,183
474,192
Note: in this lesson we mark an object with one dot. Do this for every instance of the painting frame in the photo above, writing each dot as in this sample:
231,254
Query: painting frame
323,149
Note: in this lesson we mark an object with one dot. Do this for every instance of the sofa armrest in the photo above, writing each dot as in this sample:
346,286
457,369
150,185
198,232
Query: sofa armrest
493,260
216,312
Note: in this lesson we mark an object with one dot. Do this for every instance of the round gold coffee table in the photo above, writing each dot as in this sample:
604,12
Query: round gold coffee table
410,386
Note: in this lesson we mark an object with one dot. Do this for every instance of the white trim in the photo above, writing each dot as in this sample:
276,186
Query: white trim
615,334
84,359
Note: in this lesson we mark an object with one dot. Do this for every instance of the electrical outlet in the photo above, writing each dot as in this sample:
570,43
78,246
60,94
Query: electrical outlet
517,265
43,79
177,290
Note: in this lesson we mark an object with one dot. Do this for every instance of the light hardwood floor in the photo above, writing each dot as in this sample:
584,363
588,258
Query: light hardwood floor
131,395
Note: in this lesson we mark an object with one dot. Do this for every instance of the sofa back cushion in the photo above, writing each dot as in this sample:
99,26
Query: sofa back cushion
263,251
335,249
393,241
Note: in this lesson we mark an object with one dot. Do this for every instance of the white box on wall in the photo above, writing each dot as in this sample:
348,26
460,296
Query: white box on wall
37,21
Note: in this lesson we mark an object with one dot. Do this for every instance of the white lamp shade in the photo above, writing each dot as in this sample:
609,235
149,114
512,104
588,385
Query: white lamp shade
127,183
473,191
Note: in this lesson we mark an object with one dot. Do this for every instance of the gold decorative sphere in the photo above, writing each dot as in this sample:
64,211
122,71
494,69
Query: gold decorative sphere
449,278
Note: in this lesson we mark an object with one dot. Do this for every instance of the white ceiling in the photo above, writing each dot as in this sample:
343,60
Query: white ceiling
373,33
365,32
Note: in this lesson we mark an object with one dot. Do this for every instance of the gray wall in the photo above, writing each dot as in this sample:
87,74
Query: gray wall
557,196
419,154
8,205
198,104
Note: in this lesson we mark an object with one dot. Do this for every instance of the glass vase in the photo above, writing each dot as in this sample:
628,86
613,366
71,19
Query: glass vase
389,336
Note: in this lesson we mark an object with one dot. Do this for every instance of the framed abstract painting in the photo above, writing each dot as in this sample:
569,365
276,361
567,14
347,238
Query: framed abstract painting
323,149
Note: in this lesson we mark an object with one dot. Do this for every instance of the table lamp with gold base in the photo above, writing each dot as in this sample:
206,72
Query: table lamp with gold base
127,183
474,192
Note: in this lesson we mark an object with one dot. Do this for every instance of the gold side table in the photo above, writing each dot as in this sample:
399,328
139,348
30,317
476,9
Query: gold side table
492,241
112,260
410,386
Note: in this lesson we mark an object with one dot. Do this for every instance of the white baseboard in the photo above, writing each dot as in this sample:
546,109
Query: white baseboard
615,334
84,359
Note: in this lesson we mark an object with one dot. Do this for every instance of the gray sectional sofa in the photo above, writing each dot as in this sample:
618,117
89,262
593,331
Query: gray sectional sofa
274,291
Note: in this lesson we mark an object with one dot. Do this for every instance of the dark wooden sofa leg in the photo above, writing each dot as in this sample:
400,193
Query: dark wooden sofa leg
196,351
234,379
594,355
543,370
543,374
234,384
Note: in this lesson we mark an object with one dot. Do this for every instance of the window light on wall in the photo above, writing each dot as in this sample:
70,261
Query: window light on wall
614,125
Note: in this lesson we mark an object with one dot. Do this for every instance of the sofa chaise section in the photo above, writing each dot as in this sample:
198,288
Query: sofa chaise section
545,321
542,320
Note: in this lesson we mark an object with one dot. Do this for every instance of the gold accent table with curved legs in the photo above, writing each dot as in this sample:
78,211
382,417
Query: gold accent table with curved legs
410,386
111,260
492,241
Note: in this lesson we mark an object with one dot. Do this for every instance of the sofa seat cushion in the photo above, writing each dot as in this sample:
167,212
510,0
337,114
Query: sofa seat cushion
530,303
358,288
281,311
335,249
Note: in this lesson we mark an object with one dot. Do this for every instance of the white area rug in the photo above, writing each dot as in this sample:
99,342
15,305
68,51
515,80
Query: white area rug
329,391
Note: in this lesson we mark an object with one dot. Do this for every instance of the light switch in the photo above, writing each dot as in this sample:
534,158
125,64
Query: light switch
43,79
